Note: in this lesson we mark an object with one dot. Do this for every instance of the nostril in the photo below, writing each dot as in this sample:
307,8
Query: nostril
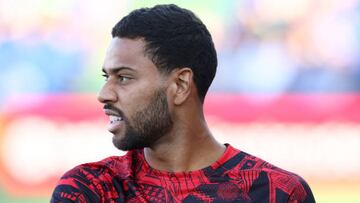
106,95
100,98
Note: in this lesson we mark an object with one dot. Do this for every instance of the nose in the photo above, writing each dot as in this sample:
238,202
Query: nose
107,94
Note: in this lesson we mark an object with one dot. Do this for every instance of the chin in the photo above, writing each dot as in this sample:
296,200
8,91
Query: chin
124,144
119,142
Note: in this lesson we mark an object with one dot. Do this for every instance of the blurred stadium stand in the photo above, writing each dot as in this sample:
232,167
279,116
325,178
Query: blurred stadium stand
288,78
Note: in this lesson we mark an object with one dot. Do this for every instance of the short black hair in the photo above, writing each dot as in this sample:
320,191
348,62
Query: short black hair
175,37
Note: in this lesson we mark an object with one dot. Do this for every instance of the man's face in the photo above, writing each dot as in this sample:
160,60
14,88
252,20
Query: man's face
134,96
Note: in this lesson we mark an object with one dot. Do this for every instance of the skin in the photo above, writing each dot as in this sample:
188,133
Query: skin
132,88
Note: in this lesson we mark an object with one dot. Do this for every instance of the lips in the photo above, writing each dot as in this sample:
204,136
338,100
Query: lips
115,124
115,120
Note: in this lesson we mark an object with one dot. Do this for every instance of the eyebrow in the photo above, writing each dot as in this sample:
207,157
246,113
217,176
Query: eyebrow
117,69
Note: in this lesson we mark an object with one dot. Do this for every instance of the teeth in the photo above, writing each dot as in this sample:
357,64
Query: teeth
115,118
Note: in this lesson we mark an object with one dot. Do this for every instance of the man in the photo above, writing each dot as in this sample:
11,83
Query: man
158,68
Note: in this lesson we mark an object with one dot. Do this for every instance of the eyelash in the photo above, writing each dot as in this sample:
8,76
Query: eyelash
121,78
105,76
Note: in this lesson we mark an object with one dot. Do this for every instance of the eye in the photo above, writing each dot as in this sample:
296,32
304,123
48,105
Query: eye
124,78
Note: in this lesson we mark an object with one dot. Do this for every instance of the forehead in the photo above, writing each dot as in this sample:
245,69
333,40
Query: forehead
124,52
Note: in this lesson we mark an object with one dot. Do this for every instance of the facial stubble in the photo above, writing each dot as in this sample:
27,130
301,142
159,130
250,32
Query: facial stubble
147,125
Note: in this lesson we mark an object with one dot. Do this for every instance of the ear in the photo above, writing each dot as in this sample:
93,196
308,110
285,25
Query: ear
182,85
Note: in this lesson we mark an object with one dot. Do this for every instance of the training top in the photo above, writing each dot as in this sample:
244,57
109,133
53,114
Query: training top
235,177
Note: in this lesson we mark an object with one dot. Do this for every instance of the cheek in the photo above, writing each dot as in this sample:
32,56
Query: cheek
136,101
138,96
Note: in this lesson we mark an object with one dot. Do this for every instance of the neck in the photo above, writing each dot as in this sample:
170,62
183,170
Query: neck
187,147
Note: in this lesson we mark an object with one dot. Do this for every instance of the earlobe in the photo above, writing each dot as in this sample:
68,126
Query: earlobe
184,81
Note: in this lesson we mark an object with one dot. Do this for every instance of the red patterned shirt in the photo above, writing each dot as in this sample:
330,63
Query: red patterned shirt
234,177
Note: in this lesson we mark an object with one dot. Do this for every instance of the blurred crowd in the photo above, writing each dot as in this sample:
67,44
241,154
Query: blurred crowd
263,45
300,45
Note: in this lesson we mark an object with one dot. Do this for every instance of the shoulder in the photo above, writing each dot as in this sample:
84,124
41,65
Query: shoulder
98,171
88,182
288,184
278,181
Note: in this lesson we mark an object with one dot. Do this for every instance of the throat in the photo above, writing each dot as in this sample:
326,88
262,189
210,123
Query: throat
182,159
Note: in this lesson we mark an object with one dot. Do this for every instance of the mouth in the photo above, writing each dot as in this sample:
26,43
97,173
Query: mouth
115,121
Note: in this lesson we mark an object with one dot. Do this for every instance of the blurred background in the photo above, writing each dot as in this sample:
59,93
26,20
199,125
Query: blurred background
287,88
